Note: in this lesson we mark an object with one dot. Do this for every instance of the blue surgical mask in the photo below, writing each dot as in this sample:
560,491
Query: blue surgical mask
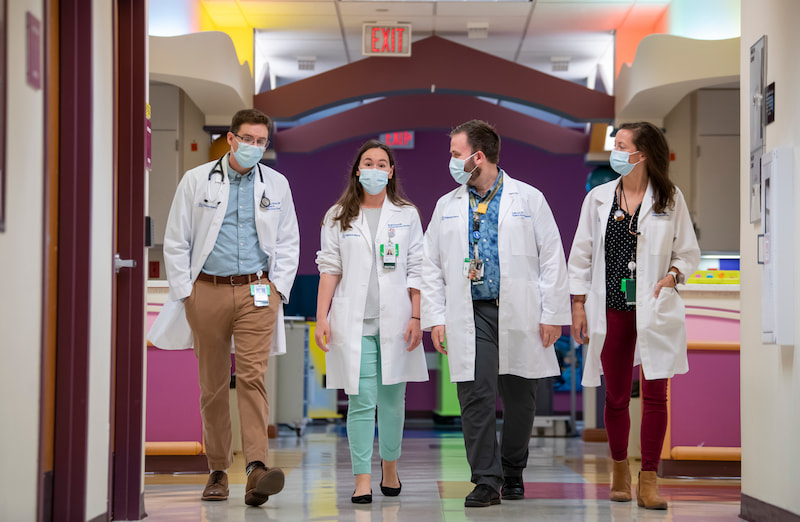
373,180
248,155
457,169
619,162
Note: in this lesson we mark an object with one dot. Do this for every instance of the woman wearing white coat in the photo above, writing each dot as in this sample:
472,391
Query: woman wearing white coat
368,310
634,243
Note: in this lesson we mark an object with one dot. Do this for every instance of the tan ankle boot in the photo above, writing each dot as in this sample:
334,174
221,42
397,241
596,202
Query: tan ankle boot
647,491
620,481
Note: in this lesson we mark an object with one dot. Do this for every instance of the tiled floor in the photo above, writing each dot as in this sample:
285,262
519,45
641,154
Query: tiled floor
566,480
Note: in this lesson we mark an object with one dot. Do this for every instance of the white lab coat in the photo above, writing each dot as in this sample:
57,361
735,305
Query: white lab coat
191,232
350,253
666,240
533,281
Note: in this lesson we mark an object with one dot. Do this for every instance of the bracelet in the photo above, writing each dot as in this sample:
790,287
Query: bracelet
417,318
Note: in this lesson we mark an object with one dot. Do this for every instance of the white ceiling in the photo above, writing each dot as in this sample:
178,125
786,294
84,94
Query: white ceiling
526,32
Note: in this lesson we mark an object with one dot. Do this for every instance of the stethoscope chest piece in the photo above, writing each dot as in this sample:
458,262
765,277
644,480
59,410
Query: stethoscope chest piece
265,202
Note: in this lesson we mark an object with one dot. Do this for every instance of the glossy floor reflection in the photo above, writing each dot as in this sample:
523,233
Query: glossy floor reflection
566,480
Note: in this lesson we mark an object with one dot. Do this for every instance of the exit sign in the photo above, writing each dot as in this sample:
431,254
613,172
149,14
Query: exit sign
386,40
398,140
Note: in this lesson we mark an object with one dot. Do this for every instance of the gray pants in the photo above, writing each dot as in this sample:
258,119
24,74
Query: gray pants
488,462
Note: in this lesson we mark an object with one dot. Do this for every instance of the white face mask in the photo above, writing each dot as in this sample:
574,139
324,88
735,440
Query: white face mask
373,180
457,169
619,162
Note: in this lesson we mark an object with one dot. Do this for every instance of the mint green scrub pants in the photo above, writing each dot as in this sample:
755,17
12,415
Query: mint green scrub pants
391,403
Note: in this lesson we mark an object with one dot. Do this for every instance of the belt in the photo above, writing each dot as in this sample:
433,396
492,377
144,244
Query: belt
234,280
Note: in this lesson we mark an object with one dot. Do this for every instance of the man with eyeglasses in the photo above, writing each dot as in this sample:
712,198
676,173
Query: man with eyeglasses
231,250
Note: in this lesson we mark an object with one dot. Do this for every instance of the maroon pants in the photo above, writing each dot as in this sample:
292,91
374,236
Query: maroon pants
617,359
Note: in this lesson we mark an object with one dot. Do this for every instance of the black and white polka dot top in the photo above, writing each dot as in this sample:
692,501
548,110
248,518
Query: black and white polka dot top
620,251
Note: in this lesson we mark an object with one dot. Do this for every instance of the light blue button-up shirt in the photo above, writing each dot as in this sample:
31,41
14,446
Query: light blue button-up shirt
487,244
237,251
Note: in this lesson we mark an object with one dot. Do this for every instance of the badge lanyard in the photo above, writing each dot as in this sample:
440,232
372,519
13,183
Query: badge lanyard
475,270
628,286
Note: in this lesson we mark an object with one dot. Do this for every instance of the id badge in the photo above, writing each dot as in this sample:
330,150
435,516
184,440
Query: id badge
476,271
629,287
260,294
389,254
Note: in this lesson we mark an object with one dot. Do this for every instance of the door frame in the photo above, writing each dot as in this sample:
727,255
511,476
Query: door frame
73,309
130,66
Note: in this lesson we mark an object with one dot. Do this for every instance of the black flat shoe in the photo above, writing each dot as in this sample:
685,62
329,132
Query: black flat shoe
361,499
386,490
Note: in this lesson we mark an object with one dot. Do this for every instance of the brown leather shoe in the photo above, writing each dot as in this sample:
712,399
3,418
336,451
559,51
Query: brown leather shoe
261,483
216,487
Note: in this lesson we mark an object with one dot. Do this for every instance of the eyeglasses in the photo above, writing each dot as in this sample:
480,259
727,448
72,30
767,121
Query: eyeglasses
261,142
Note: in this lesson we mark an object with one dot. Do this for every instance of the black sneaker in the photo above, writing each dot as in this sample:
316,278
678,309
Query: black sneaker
482,496
513,489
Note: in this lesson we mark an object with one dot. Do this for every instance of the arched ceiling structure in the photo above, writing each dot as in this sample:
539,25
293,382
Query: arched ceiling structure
437,65
437,87
428,111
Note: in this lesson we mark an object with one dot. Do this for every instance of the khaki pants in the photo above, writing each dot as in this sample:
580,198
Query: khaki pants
216,312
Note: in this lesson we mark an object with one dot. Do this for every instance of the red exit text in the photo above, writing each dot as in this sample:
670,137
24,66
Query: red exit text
386,40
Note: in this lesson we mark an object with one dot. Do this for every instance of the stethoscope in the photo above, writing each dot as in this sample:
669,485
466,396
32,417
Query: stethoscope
264,203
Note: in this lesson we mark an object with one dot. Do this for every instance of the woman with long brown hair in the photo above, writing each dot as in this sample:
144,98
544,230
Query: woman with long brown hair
634,244
368,309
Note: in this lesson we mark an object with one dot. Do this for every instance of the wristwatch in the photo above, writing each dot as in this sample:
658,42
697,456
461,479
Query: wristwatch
675,276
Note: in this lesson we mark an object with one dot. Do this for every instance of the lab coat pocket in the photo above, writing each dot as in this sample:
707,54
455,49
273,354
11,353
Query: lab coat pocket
524,247
670,310
659,235
523,241
341,316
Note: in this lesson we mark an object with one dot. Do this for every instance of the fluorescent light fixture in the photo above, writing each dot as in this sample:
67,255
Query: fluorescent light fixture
477,30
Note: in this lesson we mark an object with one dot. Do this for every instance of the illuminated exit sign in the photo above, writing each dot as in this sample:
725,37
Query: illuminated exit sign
398,140
386,40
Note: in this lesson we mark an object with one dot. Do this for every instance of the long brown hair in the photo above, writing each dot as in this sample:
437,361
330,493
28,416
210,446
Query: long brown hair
350,200
649,140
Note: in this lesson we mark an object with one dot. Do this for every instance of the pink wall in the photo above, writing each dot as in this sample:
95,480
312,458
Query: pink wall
701,328
172,411
705,402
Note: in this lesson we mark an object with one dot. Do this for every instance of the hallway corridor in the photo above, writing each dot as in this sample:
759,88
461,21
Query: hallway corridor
566,480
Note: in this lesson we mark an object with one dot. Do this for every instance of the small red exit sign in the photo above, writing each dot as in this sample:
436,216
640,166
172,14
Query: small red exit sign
386,39
398,140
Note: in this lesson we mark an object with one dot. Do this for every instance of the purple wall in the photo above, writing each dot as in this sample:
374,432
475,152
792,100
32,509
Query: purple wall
706,401
318,179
